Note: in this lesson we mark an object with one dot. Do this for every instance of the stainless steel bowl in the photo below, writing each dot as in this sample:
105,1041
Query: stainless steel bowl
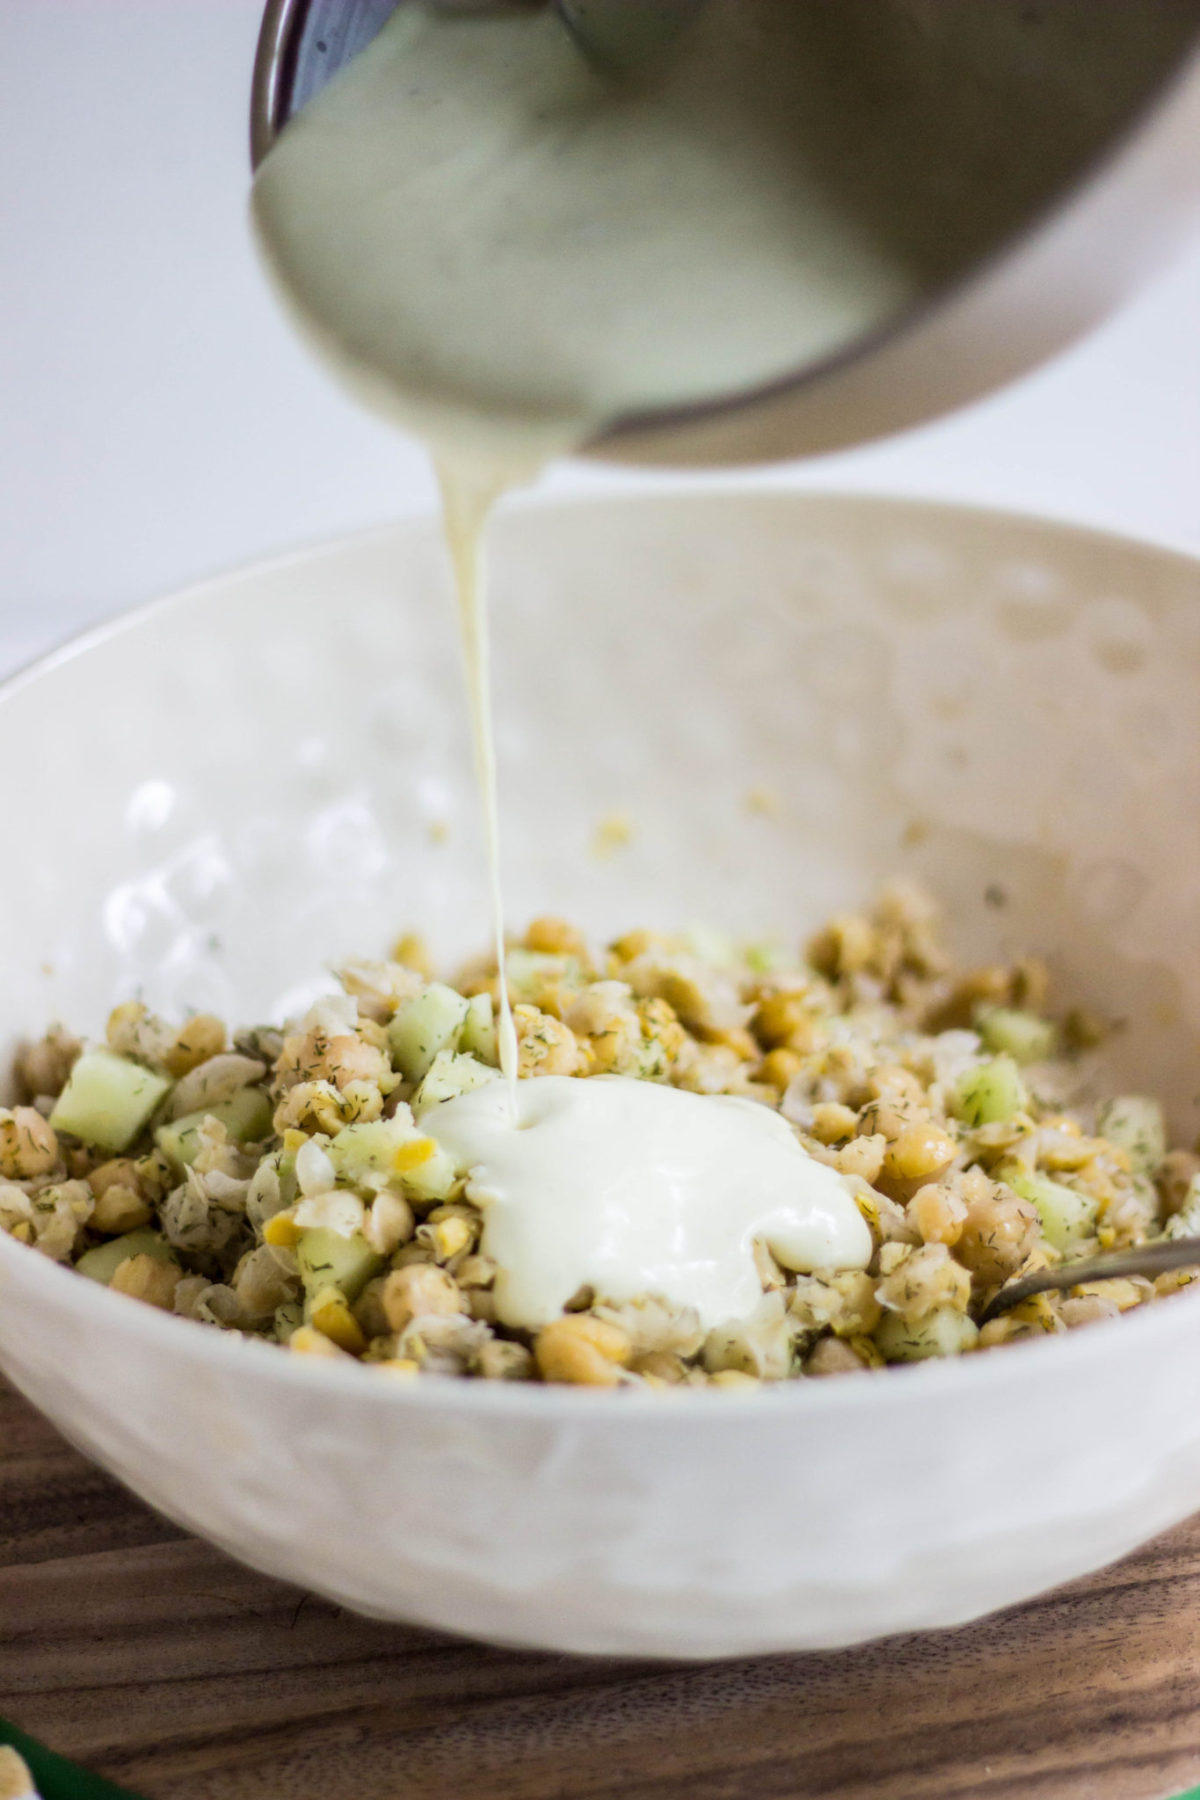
1103,220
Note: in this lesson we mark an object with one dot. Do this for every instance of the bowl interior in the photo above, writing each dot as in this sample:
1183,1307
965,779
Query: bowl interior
781,699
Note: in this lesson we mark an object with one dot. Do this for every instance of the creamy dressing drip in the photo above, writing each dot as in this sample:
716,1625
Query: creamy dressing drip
468,495
630,1188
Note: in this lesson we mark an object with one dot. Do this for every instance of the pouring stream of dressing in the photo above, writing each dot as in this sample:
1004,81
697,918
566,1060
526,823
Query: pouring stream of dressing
469,492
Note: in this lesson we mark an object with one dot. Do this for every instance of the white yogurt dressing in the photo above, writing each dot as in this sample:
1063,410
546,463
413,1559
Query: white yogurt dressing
631,1188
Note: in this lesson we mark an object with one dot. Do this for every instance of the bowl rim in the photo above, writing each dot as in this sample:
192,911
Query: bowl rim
916,1383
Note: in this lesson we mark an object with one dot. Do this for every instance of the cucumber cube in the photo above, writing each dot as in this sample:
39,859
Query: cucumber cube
448,1077
378,1148
1068,1217
427,1023
108,1100
477,1036
944,1332
990,1093
327,1259
1024,1036
1135,1124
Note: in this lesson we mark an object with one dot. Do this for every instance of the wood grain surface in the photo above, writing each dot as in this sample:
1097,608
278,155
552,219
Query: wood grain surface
155,1660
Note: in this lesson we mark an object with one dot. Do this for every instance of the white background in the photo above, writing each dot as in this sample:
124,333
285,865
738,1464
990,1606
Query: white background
157,420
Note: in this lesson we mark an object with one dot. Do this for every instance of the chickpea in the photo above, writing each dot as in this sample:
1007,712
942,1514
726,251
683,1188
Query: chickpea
148,1278
368,1309
938,1214
845,946
891,1082
195,1041
831,1122
547,1046
862,1156
780,1067
784,1022
412,952
28,1145
920,1153
418,1290
133,1030
999,1231
118,1209
554,937
633,945
582,1349
833,1356
924,1282
348,1059
43,1067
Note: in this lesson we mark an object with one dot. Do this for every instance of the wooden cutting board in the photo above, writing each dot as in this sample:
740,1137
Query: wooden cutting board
155,1660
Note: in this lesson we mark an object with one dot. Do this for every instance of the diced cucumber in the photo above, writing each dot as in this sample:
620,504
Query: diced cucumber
108,1100
1024,1036
450,1075
944,1332
990,1093
1067,1216
246,1116
102,1263
392,1152
359,1151
478,1034
327,1259
422,1026
1135,1124
434,1179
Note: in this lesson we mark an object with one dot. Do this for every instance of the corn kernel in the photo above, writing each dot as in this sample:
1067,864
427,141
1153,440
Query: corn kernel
446,1237
330,1314
310,1342
413,1155
282,1231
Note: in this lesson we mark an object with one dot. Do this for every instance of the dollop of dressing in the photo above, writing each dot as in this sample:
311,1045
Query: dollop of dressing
631,1188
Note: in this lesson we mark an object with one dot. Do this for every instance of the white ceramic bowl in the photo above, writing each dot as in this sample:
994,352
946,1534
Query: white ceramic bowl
207,801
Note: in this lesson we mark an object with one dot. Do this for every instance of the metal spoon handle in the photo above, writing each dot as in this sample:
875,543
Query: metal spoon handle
1149,1259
